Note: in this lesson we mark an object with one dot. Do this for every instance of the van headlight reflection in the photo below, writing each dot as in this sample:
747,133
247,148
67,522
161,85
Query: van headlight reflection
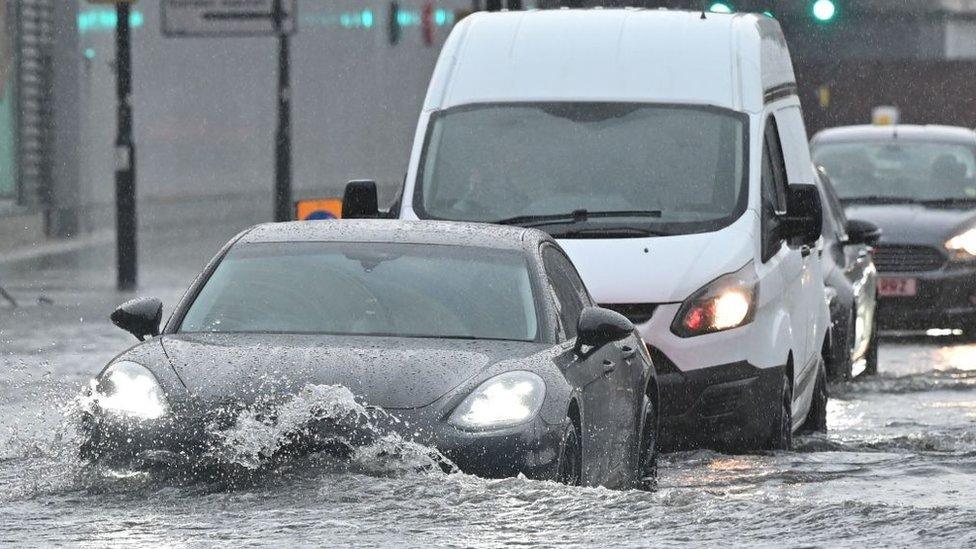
503,401
130,390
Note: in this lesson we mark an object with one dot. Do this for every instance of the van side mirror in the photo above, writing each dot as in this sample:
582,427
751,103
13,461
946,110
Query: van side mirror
803,222
862,232
598,326
140,317
360,200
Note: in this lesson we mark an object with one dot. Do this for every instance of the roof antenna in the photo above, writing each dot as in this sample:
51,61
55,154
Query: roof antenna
703,14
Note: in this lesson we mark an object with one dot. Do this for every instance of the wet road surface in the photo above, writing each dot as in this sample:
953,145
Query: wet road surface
896,469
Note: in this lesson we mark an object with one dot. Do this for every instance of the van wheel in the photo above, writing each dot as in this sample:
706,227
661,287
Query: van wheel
816,421
570,469
871,358
648,452
782,436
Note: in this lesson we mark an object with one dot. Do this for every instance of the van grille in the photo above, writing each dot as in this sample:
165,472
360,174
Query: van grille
638,313
908,259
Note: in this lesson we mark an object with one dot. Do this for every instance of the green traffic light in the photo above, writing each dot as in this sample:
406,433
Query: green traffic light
720,7
824,10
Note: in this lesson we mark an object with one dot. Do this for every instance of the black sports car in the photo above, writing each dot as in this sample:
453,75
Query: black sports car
479,341
918,183
850,280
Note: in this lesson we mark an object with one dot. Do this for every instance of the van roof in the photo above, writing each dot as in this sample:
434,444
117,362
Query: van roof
734,61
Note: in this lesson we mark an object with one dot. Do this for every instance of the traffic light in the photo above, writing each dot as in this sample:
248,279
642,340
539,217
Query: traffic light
720,7
824,11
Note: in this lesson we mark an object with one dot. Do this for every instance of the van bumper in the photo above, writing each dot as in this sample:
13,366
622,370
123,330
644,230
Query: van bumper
729,407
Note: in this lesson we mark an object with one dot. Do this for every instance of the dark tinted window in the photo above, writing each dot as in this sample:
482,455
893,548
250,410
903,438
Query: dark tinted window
774,189
568,290
368,289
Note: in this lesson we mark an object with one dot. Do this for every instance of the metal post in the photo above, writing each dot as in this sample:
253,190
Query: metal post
125,157
282,198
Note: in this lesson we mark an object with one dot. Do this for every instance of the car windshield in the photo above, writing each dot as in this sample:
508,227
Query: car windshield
368,289
661,168
899,170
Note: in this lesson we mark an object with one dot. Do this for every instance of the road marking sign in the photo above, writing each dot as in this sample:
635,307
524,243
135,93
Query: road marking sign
318,208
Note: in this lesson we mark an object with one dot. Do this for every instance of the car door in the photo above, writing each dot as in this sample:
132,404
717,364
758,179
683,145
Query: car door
782,265
809,306
600,373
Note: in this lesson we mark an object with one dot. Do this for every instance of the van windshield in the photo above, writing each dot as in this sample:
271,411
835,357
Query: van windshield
638,169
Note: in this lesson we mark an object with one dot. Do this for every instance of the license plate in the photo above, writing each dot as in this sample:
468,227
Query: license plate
897,287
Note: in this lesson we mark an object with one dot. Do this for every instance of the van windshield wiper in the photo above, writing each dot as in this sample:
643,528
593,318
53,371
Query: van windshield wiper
879,199
608,232
576,216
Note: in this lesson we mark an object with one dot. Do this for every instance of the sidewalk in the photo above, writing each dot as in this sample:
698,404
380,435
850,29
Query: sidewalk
37,250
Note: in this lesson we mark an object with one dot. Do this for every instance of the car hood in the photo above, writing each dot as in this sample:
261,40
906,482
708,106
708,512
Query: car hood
387,372
662,269
914,223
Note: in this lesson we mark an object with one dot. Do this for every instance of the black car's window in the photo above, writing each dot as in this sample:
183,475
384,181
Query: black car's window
568,290
899,169
368,289
774,189
498,161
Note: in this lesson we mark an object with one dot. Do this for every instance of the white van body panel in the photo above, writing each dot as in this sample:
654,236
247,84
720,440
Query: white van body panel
660,270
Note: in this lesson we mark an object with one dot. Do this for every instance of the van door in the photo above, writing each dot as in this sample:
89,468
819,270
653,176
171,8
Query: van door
786,262
799,169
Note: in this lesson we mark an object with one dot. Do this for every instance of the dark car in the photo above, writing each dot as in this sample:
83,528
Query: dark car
481,342
850,281
918,184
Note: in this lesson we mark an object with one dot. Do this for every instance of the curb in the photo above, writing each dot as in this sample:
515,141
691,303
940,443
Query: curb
58,247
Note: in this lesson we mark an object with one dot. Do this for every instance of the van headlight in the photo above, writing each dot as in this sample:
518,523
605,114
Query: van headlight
503,401
727,302
963,246
130,390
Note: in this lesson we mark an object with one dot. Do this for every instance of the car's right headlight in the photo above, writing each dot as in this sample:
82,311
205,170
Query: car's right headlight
130,390
727,302
503,401
963,245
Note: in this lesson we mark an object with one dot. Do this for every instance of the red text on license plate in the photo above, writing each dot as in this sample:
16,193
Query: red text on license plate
897,287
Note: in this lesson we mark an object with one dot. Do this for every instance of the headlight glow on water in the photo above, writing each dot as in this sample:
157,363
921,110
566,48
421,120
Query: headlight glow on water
130,390
964,245
503,401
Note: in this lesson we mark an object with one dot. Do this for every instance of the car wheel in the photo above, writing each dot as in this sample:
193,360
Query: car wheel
816,421
570,470
648,452
782,436
871,358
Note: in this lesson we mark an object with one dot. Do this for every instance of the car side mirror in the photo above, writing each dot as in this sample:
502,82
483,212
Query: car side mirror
140,317
803,222
598,326
862,232
360,200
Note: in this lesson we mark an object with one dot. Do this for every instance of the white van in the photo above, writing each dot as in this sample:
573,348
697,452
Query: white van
666,151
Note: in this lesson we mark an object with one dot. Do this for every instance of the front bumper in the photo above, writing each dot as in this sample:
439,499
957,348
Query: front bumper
195,443
730,407
944,299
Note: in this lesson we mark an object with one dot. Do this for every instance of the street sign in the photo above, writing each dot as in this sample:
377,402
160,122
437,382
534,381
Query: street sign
318,208
226,17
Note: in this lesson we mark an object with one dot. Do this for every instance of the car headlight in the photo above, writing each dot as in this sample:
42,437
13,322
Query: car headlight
725,303
130,390
963,246
503,401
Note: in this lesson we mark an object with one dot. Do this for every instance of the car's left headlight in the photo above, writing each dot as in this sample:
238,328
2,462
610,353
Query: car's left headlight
503,401
963,245
130,390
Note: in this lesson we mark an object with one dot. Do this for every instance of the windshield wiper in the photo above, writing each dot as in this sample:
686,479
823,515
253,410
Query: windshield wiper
576,216
880,199
948,201
607,232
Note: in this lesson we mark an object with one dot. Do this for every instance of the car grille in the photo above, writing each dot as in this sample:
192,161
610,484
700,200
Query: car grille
638,313
908,259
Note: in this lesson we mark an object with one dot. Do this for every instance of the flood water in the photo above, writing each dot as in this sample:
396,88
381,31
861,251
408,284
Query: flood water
896,469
